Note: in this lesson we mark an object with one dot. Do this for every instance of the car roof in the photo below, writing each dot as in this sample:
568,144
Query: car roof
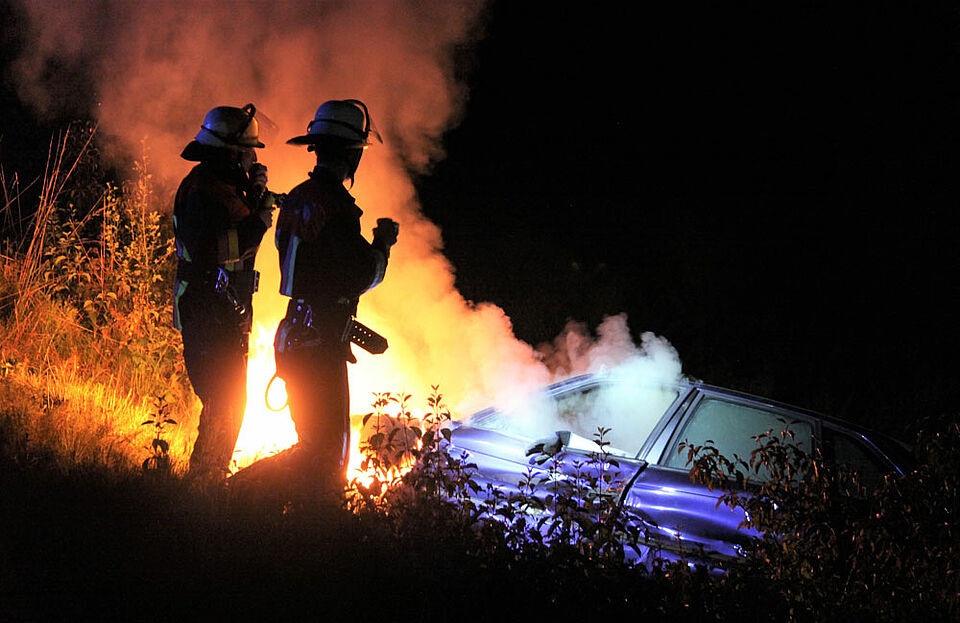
684,385
586,380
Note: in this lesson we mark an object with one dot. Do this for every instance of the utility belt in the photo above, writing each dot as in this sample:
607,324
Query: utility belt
233,285
246,281
302,327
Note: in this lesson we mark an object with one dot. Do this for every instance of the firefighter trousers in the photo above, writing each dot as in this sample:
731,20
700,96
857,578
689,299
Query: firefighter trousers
319,397
215,355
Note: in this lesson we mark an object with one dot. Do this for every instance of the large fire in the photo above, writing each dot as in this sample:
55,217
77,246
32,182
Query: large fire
158,67
435,336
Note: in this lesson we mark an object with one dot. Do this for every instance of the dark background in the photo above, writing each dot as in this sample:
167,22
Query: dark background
770,186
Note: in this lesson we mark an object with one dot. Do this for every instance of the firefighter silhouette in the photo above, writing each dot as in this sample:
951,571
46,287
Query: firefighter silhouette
221,211
325,265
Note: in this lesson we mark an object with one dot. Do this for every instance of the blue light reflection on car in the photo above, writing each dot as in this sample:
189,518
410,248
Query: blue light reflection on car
682,518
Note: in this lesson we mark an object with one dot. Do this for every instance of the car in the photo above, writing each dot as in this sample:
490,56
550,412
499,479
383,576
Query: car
648,423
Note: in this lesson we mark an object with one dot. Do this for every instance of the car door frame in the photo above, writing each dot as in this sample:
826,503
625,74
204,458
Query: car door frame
711,543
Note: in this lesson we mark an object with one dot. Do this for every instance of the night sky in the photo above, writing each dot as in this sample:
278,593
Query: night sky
771,189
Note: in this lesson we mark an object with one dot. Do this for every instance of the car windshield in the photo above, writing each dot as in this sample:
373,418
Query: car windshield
630,411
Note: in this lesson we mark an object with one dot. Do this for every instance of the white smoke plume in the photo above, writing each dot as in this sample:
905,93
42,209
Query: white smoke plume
639,386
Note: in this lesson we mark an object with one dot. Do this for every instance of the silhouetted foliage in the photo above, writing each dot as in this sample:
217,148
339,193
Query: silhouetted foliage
833,548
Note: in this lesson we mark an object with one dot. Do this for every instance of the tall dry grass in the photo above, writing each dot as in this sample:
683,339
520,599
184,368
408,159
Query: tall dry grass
86,341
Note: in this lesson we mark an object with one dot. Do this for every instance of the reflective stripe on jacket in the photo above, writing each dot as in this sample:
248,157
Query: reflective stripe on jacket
214,225
324,259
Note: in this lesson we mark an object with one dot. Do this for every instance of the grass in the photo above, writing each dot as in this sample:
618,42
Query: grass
143,548
85,337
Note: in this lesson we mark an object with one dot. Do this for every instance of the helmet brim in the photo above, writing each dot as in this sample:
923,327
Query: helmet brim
195,151
316,139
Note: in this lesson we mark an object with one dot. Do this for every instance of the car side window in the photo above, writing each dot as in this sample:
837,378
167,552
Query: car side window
851,453
731,427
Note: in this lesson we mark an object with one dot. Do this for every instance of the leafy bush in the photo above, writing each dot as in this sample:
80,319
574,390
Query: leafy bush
833,549
830,547
563,540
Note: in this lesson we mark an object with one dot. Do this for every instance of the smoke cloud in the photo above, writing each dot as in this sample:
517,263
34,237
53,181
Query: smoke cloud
156,67
639,386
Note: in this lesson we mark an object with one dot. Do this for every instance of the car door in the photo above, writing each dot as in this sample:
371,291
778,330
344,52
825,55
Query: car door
684,518
850,450
503,464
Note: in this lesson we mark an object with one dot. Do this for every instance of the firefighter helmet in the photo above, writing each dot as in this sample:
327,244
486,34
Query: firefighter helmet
229,127
347,121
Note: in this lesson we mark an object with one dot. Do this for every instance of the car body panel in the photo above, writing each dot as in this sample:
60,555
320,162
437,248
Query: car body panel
502,461
683,518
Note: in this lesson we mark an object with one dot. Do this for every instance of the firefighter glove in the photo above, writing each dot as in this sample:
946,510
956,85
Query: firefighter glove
385,233
266,213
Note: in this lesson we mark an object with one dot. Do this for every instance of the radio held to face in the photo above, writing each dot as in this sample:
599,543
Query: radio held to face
258,177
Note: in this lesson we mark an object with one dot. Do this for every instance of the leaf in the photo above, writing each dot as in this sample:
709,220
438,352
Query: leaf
162,445
146,422
447,434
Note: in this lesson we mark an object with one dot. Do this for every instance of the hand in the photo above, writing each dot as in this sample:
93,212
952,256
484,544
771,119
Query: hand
543,449
385,233
266,212
258,178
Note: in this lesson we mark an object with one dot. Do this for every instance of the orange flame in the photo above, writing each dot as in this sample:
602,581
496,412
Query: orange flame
435,336
158,67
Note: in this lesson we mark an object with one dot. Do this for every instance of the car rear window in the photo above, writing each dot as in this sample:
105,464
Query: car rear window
731,427
898,452
848,452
